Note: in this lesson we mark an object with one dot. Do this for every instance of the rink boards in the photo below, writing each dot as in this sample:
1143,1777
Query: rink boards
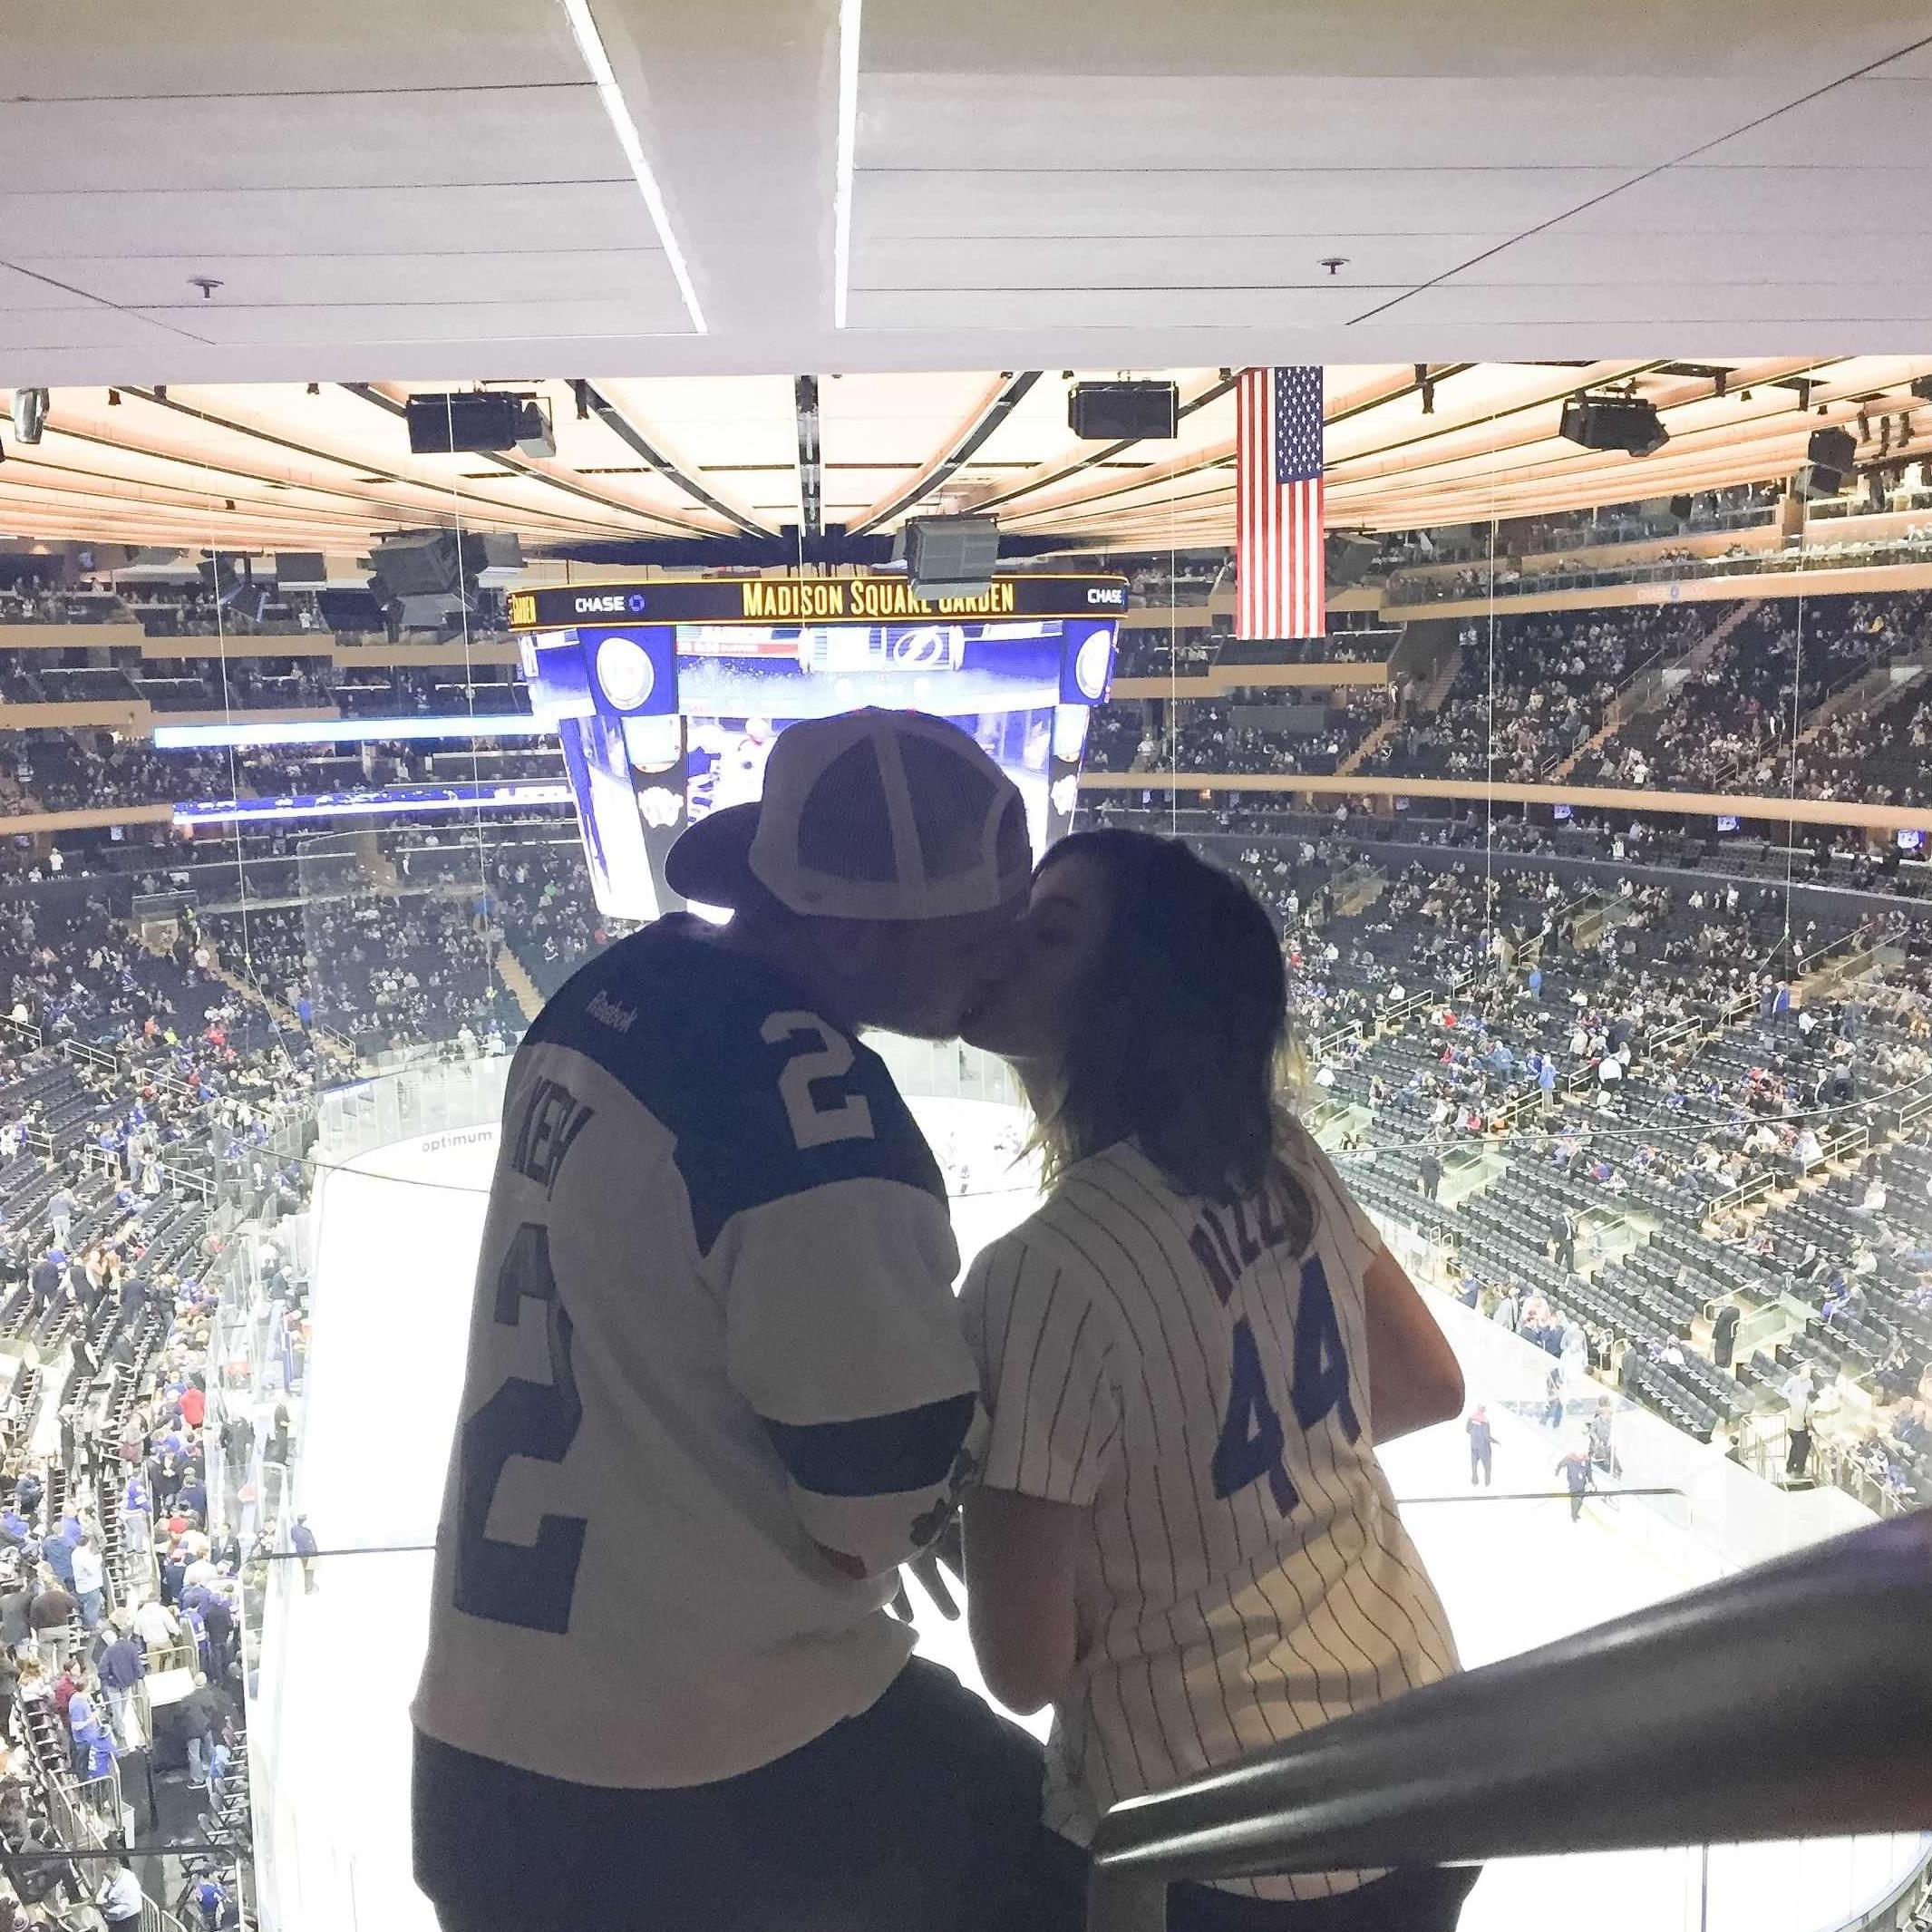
398,1235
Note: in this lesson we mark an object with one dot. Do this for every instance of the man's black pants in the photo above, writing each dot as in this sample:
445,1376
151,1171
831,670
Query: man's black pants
921,1814
1428,1898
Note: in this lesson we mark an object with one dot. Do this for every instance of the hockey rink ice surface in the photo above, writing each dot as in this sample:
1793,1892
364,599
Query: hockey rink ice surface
391,1294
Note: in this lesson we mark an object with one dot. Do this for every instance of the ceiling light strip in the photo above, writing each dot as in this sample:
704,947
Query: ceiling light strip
590,45
849,12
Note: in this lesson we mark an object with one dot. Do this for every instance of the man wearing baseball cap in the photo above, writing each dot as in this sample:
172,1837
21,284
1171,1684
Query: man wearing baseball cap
717,1394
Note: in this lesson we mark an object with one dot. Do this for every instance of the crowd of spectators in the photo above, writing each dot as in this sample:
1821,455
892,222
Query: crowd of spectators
383,970
1883,756
1530,692
1730,726
1240,733
1192,649
126,1091
1513,573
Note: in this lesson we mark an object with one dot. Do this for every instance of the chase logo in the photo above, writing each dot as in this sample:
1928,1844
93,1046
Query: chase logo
612,605
1111,595
634,602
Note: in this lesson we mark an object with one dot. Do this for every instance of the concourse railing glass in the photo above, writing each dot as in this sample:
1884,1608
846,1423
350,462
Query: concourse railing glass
328,1747
1791,1701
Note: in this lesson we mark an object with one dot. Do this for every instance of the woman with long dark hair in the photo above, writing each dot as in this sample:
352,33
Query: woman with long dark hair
1183,1541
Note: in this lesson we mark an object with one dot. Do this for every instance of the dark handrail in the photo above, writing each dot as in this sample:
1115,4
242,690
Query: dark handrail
1794,1700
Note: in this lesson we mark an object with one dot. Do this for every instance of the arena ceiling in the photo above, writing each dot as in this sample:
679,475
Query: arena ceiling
395,189
730,460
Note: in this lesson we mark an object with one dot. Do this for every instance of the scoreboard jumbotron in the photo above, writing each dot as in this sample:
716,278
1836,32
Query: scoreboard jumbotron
667,694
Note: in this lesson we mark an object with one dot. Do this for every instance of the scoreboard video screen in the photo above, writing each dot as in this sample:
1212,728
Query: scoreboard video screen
667,697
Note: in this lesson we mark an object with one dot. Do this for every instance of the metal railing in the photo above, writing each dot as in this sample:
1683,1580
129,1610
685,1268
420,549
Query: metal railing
1792,1700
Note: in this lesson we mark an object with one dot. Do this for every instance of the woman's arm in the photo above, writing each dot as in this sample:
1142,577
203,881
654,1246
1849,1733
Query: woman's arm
1413,1377
1020,1565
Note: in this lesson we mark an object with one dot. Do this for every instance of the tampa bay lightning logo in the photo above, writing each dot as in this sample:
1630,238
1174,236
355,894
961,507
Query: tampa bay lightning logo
626,674
1090,664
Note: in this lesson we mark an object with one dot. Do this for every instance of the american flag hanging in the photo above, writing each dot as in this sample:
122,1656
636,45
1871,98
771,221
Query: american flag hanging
1279,504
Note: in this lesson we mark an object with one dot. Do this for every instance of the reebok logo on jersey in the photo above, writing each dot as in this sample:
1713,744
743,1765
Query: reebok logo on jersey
606,1010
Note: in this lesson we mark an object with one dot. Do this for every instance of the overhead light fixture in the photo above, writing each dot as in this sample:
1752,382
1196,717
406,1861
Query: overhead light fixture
30,415
1833,449
1812,480
949,556
590,45
464,421
535,435
1124,412
1614,423
845,165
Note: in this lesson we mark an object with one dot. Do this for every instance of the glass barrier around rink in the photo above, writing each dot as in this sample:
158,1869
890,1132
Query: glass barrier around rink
1678,1487
332,1643
1516,1571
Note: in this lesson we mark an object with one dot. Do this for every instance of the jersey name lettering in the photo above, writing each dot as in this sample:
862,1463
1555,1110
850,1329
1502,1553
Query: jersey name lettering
550,1124
1256,1226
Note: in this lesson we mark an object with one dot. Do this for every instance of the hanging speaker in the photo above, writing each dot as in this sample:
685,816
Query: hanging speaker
30,415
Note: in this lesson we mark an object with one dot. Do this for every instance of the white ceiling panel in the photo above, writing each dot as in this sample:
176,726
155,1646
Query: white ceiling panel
1181,205
400,323
329,221
1219,151
996,309
1857,199
96,50
1220,262
1517,38
1687,258
163,280
1851,122
1812,307
84,328
313,140
19,290
1293,121
1915,65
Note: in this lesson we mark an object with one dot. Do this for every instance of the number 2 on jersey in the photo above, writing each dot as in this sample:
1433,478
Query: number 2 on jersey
1252,1442
530,1585
817,1120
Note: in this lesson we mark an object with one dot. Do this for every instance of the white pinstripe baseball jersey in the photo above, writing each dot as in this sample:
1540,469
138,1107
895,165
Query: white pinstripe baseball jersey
1171,1365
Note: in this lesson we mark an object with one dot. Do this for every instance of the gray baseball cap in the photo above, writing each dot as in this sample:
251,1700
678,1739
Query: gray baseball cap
867,815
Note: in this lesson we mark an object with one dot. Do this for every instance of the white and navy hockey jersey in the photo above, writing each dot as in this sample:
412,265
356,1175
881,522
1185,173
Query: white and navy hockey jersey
716,1387
1172,1366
